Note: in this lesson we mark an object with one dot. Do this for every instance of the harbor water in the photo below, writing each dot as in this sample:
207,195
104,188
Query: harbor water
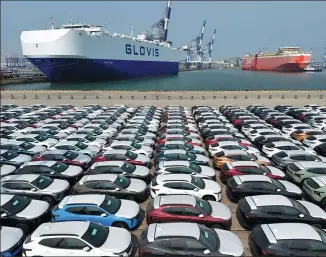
221,79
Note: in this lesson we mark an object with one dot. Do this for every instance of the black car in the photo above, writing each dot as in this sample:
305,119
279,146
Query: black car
287,239
261,140
321,149
22,212
112,184
267,209
249,185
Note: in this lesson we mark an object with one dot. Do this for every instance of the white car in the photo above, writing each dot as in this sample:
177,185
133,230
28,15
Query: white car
288,129
231,146
130,146
23,146
93,132
86,238
270,149
131,137
91,150
313,141
38,140
68,130
109,130
136,131
172,184
254,126
185,167
91,140
181,131
14,156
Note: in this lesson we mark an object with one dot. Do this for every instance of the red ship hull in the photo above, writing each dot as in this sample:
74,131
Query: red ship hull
297,62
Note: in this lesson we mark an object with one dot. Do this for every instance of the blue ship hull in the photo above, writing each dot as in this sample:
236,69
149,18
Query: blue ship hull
95,70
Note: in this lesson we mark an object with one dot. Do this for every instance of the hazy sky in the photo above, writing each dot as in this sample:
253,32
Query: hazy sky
242,27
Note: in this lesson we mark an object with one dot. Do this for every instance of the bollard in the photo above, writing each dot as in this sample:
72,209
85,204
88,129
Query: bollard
36,97
59,96
321,97
203,98
246,97
97,97
214,97
12,97
121,97
225,97
71,97
144,97
258,97
169,97
84,96
295,97
109,97
24,96
157,97
132,97
235,97
282,97
181,97
308,97
270,97
192,97
49,97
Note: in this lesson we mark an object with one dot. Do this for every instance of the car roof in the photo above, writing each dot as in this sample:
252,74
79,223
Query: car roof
43,163
56,151
115,151
96,199
108,163
5,198
242,163
21,177
64,227
66,142
307,164
158,230
296,152
98,177
282,143
232,152
176,142
173,177
267,200
283,231
174,199
121,142
175,163
175,151
248,178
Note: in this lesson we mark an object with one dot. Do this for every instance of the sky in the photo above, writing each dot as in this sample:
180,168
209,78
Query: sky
242,26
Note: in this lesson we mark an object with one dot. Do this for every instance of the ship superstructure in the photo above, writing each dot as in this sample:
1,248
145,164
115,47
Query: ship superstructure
82,52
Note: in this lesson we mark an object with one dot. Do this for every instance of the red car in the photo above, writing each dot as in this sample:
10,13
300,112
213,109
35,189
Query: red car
186,139
123,155
230,169
188,208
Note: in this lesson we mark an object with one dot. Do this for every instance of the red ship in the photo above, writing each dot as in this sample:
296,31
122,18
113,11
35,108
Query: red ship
286,59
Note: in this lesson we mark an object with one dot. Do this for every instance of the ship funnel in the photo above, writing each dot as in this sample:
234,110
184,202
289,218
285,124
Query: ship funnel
166,20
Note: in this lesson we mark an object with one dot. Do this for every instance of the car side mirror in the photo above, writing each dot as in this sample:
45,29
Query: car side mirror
252,159
104,215
301,215
207,251
124,173
278,190
265,173
4,214
196,189
52,172
33,189
201,215
86,249
117,189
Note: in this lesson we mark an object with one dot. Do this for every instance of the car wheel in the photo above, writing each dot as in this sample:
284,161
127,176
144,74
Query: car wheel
120,225
209,198
217,226
49,200
23,227
131,198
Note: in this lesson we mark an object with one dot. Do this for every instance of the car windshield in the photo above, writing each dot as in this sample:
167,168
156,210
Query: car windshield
41,138
70,155
131,155
16,204
299,207
111,204
90,138
208,238
135,145
59,167
139,138
42,182
204,206
198,182
191,155
26,145
321,233
129,168
96,234
81,145
9,155
122,182
189,146
195,167
278,184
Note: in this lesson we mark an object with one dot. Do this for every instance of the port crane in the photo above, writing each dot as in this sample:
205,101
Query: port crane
159,30
207,50
194,48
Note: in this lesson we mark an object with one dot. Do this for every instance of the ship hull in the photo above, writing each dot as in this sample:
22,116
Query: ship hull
67,55
292,63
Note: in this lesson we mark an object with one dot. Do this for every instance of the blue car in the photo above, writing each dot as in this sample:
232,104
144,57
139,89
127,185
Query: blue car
12,240
174,145
181,155
102,209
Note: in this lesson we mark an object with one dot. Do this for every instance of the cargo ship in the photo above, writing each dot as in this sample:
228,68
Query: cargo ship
286,59
79,52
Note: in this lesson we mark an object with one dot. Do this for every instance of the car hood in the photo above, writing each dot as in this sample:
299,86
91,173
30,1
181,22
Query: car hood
199,149
142,158
22,158
220,210
128,209
262,158
230,244
118,240
146,148
212,186
83,158
38,149
201,158
136,185
93,148
276,171
51,141
90,153
13,236
34,209
207,171
314,210
72,171
7,169
290,187
58,185
253,150
141,171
